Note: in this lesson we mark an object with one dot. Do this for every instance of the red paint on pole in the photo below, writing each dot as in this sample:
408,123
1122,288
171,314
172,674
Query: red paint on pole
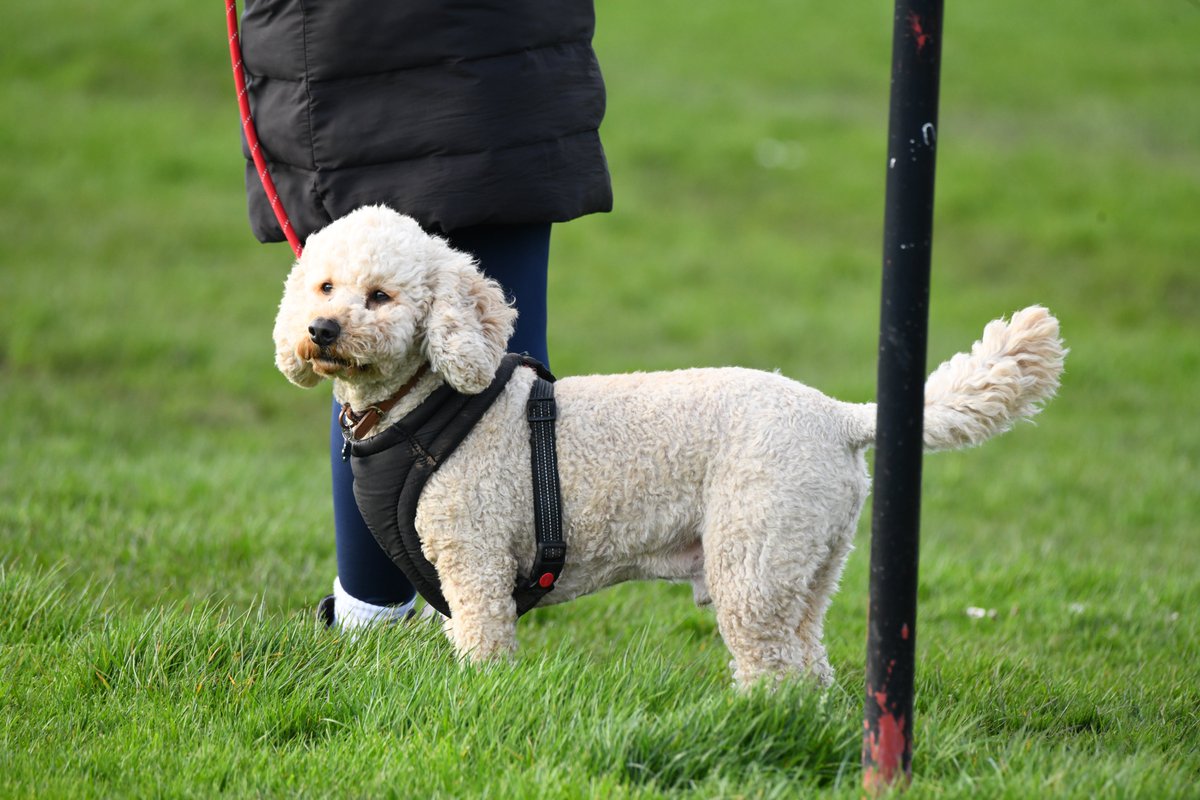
889,750
904,633
914,24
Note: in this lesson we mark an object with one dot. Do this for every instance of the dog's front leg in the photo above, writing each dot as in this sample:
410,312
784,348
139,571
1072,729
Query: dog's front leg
483,614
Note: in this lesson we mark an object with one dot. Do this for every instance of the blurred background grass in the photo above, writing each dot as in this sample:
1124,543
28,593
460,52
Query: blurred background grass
150,446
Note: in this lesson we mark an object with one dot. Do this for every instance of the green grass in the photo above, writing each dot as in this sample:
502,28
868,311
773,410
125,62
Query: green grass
164,512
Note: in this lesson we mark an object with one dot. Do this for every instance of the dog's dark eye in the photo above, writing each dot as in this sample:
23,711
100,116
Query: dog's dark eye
378,297
326,287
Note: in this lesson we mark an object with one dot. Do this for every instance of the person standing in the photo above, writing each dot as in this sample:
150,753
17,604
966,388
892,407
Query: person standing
480,120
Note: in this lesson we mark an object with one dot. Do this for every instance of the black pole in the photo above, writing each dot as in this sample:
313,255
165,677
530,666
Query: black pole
903,330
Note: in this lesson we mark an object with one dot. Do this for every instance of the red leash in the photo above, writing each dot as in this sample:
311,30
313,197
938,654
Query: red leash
260,162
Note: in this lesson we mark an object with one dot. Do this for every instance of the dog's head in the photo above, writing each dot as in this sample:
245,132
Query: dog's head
373,296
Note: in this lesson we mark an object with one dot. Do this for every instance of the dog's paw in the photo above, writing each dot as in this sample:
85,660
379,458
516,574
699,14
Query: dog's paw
479,644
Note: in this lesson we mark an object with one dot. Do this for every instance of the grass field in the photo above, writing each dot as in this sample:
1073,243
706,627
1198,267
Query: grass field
164,514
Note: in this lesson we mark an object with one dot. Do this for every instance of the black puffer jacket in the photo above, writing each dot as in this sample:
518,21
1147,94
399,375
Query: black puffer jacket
456,112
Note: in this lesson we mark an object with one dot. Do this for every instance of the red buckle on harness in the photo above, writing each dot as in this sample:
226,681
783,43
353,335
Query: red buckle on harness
546,581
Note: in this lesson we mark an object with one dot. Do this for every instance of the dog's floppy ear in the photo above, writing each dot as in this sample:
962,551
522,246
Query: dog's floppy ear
469,322
290,323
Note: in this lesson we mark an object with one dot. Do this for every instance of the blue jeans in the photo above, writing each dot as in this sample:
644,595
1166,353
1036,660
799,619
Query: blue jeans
517,256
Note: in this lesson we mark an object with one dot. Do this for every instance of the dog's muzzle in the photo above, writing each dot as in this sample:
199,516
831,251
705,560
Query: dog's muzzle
319,350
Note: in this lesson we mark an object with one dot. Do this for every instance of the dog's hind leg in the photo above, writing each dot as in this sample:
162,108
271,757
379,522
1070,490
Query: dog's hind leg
774,550
811,630
759,591
757,622
836,531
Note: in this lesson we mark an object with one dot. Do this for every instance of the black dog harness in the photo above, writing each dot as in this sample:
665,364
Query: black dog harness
391,469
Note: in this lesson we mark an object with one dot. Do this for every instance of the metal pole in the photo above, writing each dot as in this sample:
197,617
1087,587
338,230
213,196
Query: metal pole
903,330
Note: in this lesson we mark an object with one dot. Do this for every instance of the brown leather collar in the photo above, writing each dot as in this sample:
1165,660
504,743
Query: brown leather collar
356,424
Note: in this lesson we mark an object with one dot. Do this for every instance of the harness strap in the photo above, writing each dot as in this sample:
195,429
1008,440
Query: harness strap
392,467
547,498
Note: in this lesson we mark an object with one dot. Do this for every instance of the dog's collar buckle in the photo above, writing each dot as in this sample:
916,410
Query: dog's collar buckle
355,425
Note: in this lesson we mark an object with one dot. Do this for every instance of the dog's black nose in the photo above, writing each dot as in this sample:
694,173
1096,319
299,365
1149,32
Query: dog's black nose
324,331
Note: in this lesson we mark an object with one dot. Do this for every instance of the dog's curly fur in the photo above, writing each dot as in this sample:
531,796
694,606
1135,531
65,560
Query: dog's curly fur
745,483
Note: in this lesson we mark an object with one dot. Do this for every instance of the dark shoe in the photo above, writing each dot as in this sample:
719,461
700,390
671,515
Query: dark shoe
325,611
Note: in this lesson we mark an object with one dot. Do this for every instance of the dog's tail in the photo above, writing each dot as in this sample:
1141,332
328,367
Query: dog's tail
1006,377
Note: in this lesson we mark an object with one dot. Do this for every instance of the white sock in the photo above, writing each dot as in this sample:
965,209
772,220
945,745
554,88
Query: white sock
349,612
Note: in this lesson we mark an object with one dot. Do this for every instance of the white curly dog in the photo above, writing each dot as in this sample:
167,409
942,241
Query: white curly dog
744,483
